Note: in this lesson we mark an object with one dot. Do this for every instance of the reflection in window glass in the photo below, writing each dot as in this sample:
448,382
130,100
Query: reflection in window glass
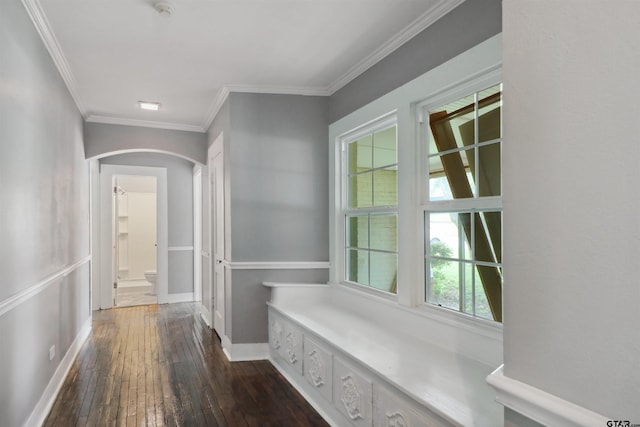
360,155
458,133
385,187
358,266
489,172
384,234
358,231
384,148
371,229
361,194
383,273
463,253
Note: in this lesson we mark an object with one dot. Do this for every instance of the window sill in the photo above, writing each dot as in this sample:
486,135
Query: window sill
472,337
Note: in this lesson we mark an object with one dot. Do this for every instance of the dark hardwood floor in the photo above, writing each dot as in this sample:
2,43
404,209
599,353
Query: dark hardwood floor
161,366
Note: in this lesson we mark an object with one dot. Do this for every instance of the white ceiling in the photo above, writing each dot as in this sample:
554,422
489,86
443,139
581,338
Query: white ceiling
113,53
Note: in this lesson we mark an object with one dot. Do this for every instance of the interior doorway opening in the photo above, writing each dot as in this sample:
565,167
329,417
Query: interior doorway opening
135,240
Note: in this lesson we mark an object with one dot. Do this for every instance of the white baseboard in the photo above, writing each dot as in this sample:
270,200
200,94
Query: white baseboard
540,406
133,283
41,411
244,352
175,298
206,316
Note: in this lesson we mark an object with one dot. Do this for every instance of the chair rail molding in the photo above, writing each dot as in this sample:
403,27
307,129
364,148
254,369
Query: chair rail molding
277,265
24,295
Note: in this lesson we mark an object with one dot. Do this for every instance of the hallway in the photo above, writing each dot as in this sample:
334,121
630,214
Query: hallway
160,365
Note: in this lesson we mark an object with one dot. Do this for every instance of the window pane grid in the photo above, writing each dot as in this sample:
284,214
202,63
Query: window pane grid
372,169
371,211
459,149
458,129
463,219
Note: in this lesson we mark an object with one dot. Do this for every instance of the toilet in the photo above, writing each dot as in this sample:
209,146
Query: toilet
151,278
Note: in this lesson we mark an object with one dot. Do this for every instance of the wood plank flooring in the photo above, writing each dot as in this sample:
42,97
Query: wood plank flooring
160,365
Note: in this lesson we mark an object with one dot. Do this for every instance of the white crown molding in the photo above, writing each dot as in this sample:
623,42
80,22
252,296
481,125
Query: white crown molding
425,20
39,19
279,90
143,123
36,13
540,406
223,94
219,100
422,22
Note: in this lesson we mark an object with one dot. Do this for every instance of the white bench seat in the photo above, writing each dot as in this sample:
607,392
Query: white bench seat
449,386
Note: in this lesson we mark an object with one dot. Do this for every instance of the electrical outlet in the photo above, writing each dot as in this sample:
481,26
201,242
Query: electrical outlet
52,352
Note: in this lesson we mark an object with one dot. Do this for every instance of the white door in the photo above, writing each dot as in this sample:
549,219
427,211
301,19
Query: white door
216,170
115,255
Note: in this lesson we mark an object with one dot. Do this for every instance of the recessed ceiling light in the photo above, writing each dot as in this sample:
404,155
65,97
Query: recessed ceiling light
145,105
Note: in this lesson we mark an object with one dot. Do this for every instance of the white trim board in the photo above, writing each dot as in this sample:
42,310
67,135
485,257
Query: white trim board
277,265
421,23
206,316
107,172
244,352
183,297
92,118
540,406
440,9
39,19
26,294
44,405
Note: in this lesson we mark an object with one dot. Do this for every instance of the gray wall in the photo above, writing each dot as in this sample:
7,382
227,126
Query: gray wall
101,139
464,27
44,215
180,201
571,234
276,170
249,298
279,199
279,178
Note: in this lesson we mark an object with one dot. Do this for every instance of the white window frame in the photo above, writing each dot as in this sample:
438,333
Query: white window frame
381,123
481,63
493,203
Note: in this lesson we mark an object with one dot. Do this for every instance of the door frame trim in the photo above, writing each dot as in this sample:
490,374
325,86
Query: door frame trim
107,172
217,148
